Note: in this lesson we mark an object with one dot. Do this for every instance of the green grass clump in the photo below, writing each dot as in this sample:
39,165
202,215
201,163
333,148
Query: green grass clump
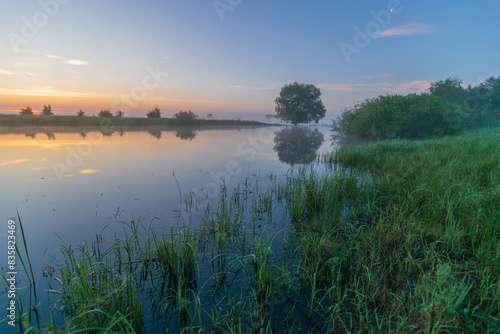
432,262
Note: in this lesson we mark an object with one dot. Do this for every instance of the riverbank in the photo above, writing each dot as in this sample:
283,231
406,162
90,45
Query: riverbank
100,122
431,262
399,236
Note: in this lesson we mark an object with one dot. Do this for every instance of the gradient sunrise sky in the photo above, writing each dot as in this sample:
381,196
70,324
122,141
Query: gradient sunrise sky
231,57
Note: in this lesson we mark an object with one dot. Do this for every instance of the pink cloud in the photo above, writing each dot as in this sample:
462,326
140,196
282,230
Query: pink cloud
406,29
272,85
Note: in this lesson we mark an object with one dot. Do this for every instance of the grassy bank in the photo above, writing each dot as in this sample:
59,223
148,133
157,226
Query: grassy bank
37,120
398,236
432,261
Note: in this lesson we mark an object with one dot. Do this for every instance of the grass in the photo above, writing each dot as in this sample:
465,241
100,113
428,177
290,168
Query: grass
432,261
398,236
37,120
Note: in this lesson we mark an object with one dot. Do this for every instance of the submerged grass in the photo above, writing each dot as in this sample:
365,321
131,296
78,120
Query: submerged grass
398,236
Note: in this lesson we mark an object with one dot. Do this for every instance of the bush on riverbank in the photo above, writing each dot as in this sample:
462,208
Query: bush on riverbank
447,108
399,116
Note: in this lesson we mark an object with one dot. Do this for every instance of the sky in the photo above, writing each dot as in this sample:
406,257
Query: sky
231,57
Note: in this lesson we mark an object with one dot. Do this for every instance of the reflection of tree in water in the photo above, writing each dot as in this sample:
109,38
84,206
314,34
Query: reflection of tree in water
121,133
155,133
51,136
185,134
31,135
107,133
297,144
83,135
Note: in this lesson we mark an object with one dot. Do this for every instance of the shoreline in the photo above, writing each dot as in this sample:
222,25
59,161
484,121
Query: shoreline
18,121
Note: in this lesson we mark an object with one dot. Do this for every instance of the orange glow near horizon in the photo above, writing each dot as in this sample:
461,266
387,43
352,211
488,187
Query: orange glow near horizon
94,103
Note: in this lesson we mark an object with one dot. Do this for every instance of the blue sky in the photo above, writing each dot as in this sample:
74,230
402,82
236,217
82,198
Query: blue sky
231,57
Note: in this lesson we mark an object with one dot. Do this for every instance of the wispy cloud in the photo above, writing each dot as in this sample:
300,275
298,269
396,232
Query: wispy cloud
29,73
412,86
2,71
13,162
76,62
235,86
89,171
272,85
165,99
406,29
83,172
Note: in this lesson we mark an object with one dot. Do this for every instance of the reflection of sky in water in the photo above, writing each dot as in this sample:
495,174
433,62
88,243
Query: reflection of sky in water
132,173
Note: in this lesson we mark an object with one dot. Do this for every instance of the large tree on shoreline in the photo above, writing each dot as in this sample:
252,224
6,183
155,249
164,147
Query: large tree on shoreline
300,103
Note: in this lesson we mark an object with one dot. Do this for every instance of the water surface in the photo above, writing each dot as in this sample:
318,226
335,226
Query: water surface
69,185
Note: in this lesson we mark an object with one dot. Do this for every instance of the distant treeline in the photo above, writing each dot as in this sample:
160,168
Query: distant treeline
446,108
183,117
37,120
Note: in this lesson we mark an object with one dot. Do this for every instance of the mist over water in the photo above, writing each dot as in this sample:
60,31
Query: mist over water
74,183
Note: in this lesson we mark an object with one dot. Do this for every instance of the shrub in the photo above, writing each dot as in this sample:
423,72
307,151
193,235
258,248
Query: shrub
400,116
26,111
105,113
185,117
154,113
47,111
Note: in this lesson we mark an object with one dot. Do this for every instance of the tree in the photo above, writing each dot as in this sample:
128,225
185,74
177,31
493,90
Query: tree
185,117
119,113
105,113
154,113
297,145
489,91
300,103
185,134
47,111
155,133
26,111
80,113
450,89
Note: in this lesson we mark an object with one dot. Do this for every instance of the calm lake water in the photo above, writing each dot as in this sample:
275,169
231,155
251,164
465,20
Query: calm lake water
70,185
